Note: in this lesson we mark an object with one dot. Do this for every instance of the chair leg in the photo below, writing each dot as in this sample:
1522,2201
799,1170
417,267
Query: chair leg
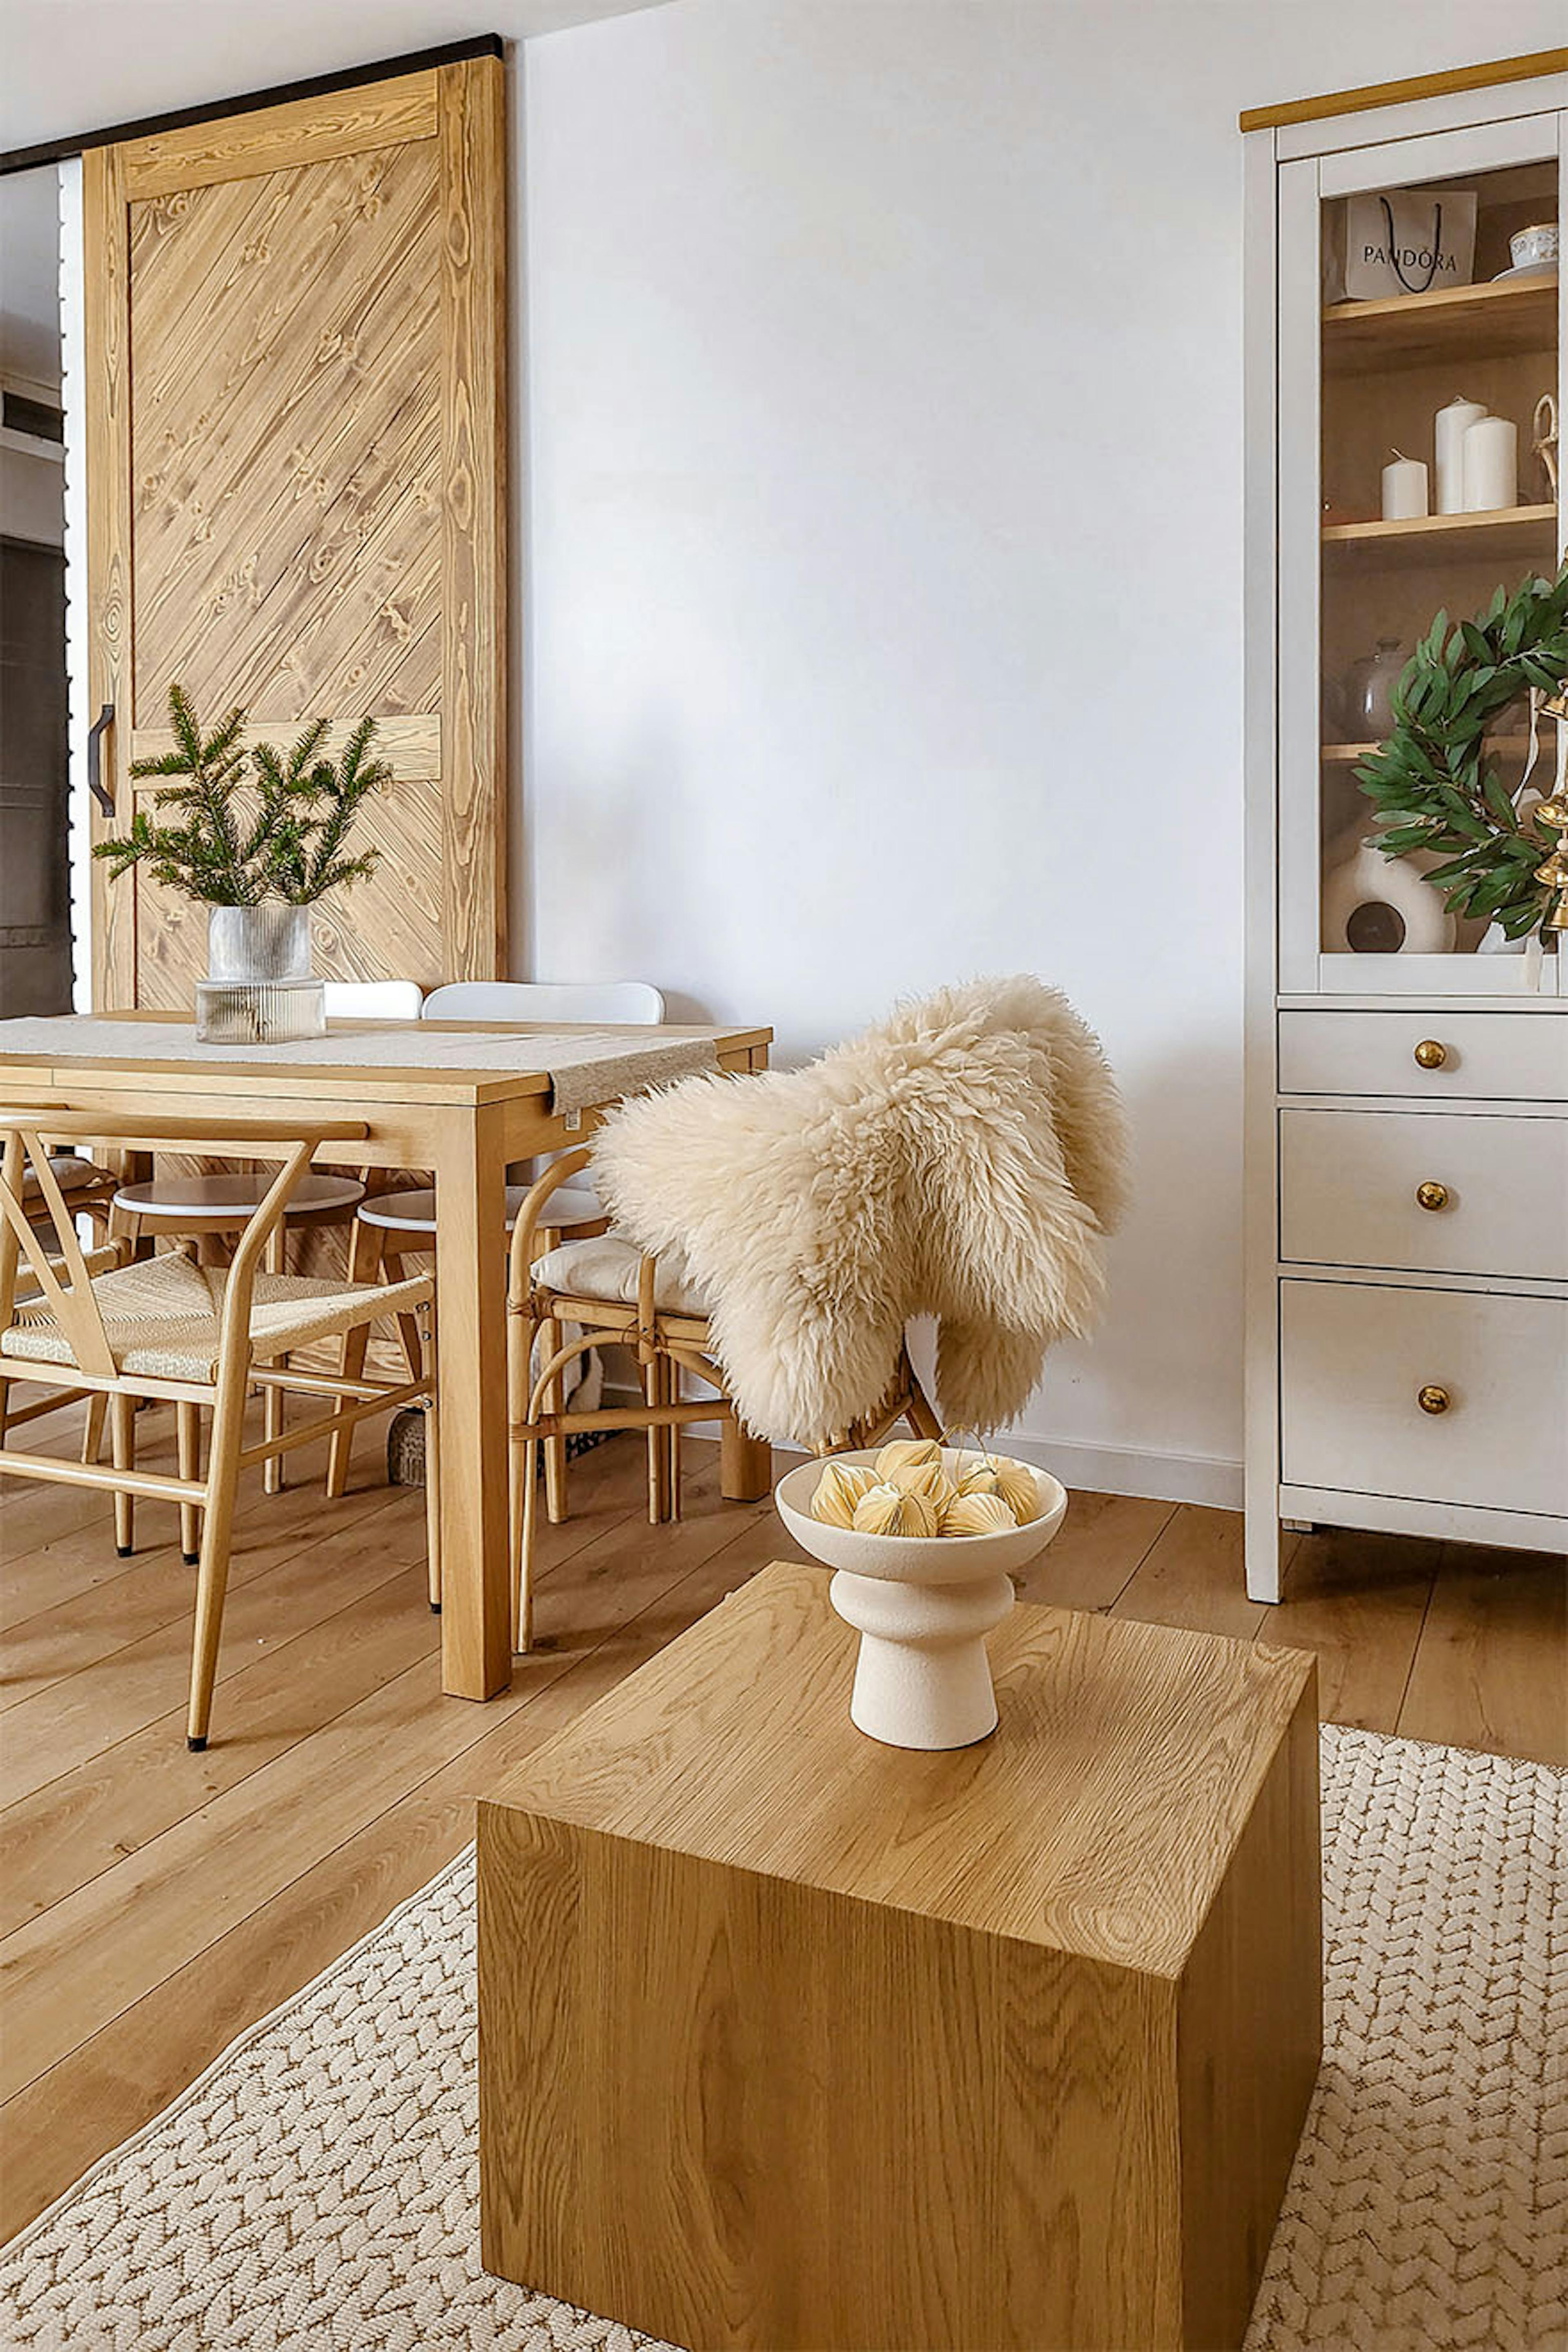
409,1331
122,1449
922,1415
658,1450
188,1444
555,1501
367,1246
671,1390
526,1473
97,1414
218,1528
272,1398
432,1476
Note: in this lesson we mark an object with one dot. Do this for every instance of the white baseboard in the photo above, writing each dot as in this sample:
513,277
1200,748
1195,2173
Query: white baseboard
1124,1470
1098,1469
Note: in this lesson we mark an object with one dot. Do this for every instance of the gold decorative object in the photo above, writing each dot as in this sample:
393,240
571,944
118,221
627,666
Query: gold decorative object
839,1489
1553,815
888,1510
1432,1399
977,1515
908,1453
1432,1196
1430,1055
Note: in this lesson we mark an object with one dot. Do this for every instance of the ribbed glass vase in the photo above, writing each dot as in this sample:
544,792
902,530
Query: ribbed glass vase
259,990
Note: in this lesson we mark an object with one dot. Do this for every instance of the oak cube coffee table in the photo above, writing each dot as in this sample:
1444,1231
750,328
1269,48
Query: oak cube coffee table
790,2040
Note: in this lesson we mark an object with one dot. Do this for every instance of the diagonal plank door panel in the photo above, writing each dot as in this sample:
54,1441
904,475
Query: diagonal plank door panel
296,486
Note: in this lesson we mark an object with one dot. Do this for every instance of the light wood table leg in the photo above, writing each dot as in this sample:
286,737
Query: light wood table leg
471,1359
745,1466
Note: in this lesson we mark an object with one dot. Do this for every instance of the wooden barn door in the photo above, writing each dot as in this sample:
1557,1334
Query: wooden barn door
296,336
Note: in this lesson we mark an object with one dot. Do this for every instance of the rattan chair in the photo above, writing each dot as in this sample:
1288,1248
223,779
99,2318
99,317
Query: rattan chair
201,1338
394,1225
615,1295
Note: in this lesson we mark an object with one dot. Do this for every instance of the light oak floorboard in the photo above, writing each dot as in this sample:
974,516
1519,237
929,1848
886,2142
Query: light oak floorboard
157,1903
1193,1576
1104,1540
1491,1668
1359,1601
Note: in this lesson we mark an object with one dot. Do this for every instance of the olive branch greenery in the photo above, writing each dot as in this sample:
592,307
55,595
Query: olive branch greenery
246,822
1432,779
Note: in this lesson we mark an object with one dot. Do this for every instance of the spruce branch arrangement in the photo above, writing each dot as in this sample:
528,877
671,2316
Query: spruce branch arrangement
246,823
1432,781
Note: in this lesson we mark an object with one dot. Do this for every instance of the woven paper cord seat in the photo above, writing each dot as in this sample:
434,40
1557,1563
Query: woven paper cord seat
162,1316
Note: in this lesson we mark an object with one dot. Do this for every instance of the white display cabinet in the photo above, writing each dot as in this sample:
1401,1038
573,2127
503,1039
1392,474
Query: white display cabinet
1407,1125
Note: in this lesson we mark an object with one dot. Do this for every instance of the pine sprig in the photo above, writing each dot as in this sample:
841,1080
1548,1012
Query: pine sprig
1432,781
246,823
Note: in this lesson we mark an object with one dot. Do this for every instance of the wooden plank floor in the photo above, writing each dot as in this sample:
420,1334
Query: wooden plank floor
153,1902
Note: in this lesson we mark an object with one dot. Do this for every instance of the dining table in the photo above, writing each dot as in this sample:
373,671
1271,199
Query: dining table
459,1102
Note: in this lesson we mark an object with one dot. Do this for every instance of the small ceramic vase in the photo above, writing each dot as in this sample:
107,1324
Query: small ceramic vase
1375,905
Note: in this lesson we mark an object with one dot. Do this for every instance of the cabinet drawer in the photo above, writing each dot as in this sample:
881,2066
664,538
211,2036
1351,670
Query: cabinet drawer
1488,1057
1431,1193
1355,1357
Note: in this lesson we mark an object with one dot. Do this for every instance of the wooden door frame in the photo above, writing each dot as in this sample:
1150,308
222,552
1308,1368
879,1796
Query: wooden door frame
462,105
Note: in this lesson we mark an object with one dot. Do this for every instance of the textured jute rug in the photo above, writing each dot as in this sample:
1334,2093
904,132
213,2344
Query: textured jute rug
317,2186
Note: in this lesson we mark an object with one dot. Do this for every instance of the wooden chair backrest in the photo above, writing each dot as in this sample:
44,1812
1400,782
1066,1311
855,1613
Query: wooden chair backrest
71,1301
49,1256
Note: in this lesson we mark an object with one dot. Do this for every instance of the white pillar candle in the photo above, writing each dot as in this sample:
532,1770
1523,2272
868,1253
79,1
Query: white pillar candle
1404,490
1452,424
1492,465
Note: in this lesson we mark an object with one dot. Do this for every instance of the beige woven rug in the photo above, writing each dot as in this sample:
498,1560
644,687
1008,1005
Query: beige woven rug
316,2189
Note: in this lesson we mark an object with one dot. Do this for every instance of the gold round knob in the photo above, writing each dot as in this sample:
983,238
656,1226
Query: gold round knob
1432,1400
1432,1196
1430,1055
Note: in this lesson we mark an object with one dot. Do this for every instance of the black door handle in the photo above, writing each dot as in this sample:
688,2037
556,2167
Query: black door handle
95,783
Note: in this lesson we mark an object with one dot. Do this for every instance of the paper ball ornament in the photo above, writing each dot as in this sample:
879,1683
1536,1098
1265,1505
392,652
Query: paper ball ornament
927,1478
908,1453
839,1490
888,1510
1014,1482
976,1515
1020,1490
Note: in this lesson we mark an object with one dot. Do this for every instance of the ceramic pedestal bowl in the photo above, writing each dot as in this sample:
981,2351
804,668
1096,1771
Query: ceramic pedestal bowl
923,1606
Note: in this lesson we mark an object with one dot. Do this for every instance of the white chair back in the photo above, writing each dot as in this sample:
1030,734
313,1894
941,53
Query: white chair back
614,1001
372,1000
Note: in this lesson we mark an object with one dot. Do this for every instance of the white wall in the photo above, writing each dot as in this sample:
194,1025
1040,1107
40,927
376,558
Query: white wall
885,627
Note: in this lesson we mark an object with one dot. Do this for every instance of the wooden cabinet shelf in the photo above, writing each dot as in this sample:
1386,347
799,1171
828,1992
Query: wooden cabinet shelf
1460,322
1508,533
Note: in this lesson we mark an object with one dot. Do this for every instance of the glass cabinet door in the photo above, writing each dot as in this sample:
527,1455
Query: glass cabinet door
1419,301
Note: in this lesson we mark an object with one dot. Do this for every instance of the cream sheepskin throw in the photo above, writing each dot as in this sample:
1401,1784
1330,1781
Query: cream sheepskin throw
965,1159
